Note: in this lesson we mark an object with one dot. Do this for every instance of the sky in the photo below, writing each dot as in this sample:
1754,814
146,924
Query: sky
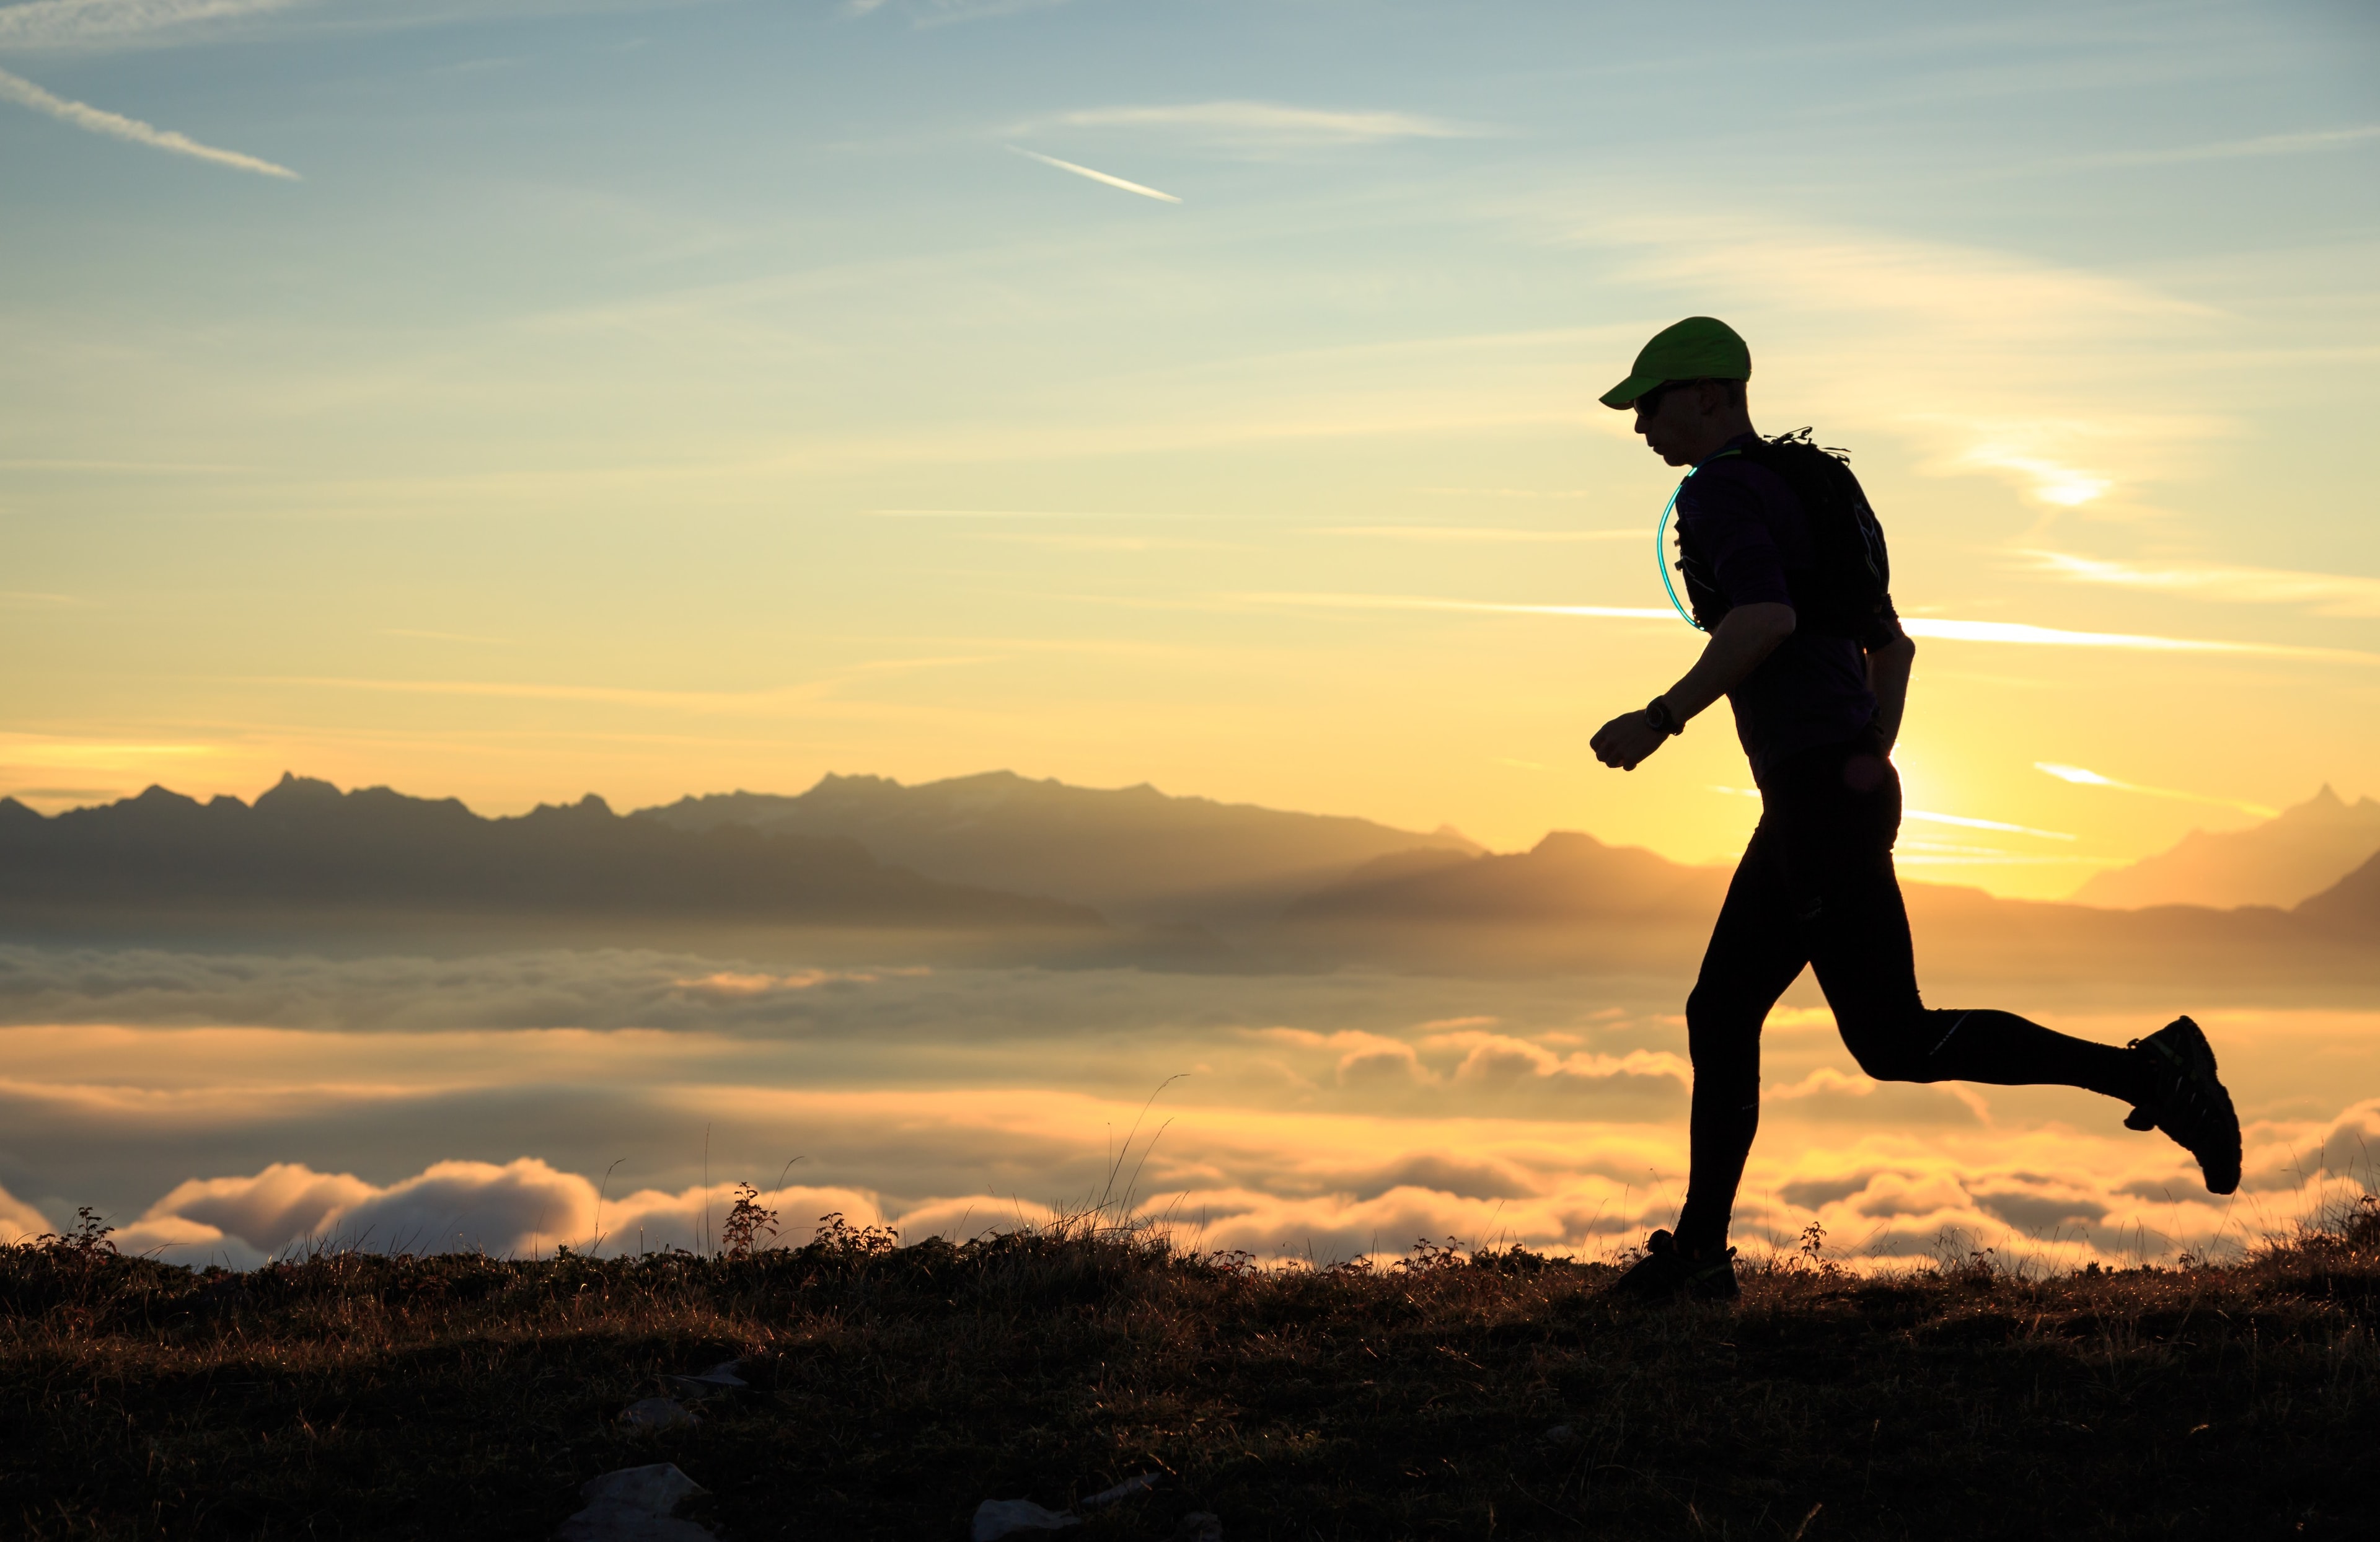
516,400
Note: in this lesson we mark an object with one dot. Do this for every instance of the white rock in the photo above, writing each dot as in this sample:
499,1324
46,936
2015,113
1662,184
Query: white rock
658,1488
1124,1490
634,1505
997,1518
719,1380
647,1414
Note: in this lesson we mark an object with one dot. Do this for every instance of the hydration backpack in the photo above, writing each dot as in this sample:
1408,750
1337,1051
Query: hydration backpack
1842,592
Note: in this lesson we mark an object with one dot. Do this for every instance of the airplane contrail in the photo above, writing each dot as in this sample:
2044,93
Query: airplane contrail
15,88
1424,602
1095,176
1924,816
2053,637
2012,632
2081,777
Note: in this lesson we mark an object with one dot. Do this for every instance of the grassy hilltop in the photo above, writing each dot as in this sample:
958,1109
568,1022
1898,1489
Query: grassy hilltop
891,1390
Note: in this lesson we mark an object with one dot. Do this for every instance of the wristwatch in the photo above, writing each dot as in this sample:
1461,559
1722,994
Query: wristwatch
1662,718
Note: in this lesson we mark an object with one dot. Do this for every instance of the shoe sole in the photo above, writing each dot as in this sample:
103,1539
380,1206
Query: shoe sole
2194,1057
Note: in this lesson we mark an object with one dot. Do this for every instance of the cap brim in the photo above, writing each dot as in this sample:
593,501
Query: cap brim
1624,396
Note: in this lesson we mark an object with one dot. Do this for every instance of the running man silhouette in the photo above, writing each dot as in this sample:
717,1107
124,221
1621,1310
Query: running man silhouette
1785,567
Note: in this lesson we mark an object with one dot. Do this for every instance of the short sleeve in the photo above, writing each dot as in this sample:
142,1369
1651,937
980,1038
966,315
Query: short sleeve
1731,523
1887,630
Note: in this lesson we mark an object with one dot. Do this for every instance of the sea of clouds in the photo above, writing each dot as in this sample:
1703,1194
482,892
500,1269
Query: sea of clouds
221,1108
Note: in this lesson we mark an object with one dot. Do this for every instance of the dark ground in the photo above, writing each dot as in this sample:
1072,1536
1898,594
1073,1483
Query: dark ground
354,1396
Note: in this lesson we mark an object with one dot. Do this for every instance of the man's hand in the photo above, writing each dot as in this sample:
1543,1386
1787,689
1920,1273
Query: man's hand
1746,636
1626,740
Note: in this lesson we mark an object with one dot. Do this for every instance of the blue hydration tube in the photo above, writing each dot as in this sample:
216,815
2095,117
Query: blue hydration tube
1661,549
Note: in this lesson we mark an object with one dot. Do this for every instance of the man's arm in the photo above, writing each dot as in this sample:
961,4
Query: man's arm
1746,636
1888,676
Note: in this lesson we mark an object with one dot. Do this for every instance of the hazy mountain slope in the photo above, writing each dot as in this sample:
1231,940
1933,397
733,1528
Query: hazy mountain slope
1566,877
1573,902
2350,907
2279,862
1132,853
306,849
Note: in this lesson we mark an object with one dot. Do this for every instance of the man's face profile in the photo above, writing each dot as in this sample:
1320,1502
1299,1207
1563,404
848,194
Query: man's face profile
1673,419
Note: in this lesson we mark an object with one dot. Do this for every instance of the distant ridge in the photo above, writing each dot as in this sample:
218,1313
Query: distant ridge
1133,853
2285,860
2350,907
309,865
1566,878
306,850
1572,903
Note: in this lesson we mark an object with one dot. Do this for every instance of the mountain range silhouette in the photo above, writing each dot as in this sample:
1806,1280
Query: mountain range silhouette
2279,861
1000,867
307,850
1134,853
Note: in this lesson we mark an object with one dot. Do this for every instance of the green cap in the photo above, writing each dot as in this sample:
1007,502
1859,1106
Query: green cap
1700,347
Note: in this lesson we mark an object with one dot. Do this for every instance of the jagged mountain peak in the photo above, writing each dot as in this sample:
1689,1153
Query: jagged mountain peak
2302,850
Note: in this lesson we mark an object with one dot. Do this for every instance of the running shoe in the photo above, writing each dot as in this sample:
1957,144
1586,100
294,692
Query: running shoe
2188,1102
1668,1272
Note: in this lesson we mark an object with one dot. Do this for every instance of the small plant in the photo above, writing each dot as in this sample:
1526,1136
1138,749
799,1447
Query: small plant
1426,1257
2363,1228
837,1235
747,1222
86,1244
1812,1250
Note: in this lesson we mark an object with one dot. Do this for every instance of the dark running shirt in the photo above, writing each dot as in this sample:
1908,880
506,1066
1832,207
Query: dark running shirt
1813,689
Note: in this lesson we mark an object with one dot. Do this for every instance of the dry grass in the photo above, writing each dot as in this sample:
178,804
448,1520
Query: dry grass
355,1395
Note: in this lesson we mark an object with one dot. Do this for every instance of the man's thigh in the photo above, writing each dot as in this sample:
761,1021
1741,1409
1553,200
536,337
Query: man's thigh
1756,948
1860,947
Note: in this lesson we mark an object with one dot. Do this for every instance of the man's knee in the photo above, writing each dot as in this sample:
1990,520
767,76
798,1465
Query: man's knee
1723,1042
1888,1050
1719,1025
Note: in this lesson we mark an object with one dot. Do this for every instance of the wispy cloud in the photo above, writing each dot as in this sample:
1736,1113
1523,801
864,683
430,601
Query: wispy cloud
15,88
2337,594
1972,350
1924,816
1095,176
2235,150
439,637
1005,514
1423,602
2081,777
767,700
2010,632
1966,822
1433,533
71,23
157,468
1266,123
1079,541
2025,635
89,755
943,13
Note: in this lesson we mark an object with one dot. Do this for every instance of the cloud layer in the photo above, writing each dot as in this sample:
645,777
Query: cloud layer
1884,1200
519,1103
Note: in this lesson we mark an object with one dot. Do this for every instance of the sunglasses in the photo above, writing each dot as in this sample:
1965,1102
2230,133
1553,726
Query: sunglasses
1650,402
